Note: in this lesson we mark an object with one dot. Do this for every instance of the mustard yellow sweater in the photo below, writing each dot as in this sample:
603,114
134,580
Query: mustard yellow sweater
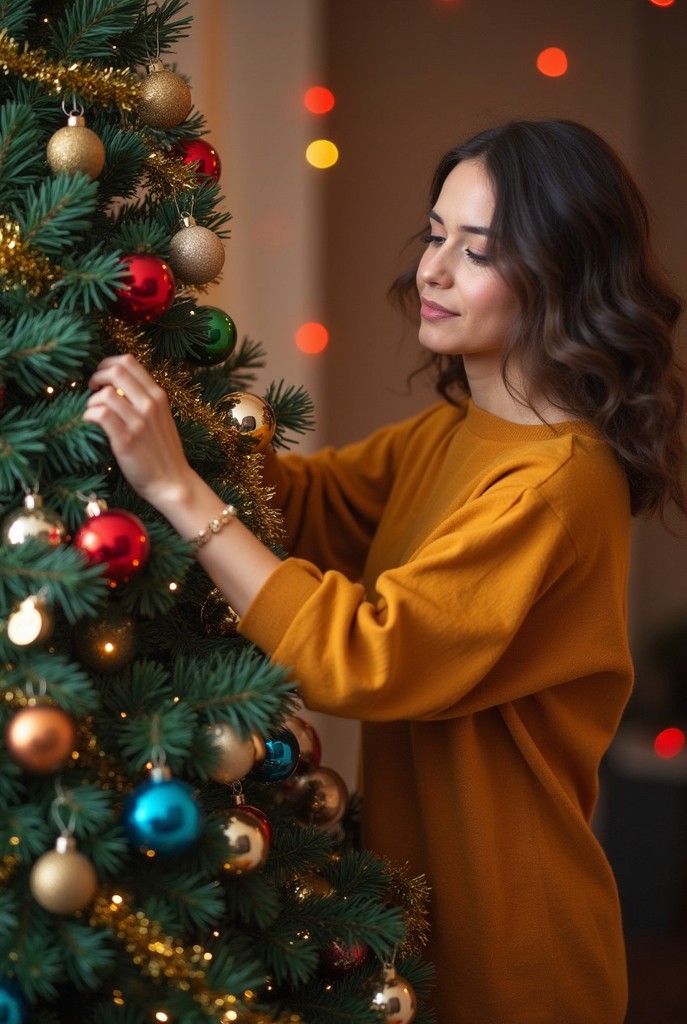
485,652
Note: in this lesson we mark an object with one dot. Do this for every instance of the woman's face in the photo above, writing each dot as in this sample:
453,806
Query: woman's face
466,308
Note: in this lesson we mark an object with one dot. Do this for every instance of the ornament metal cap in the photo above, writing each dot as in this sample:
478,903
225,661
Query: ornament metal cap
65,844
154,65
160,773
95,506
76,121
188,220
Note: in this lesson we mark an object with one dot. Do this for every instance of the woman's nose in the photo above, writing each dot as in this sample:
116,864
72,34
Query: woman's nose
434,269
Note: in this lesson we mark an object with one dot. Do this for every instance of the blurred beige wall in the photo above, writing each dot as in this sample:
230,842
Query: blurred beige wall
411,79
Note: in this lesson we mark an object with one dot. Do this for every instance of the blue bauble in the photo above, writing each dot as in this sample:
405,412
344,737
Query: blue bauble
162,815
13,1006
281,760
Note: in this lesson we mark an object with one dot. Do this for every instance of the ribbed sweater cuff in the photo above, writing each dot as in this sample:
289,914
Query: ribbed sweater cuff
278,602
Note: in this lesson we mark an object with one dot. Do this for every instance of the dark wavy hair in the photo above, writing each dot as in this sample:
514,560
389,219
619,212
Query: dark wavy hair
596,331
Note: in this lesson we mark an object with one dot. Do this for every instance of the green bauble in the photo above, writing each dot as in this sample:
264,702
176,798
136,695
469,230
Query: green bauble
220,340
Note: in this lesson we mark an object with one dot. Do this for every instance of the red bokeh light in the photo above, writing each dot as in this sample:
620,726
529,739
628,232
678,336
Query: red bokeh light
669,742
312,338
552,62
318,100
662,3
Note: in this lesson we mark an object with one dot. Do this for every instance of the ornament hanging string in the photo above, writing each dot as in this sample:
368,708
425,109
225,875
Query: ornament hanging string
60,801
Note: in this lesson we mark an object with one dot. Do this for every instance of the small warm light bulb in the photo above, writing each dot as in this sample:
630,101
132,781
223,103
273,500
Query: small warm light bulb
322,154
552,62
108,647
669,742
318,100
312,337
173,586
161,1016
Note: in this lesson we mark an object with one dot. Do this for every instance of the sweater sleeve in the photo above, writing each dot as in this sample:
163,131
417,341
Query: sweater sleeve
433,640
332,501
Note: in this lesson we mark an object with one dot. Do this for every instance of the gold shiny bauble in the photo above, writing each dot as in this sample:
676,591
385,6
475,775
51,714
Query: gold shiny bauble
31,622
63,880
107,645
41,738
395,998
252,417
320,797
165,97
236,755
312,884
196,254
34,522
247,842
217,617
76,148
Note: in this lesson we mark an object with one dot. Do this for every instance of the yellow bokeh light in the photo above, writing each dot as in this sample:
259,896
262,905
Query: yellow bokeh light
322,154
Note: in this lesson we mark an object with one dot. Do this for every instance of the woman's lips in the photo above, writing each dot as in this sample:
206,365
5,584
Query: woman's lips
433,311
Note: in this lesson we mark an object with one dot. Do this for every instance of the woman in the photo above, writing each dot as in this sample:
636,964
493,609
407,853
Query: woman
486,648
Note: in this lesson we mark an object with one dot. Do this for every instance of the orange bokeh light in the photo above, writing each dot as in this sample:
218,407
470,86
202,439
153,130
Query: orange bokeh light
312,338
669,742
318,100
552,62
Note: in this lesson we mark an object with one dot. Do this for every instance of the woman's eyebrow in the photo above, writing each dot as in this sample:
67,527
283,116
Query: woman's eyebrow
468,229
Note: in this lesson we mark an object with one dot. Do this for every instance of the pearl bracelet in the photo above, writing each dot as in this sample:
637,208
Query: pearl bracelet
214,526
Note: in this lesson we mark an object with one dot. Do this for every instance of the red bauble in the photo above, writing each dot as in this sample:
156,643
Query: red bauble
204,155
114,538
148,289
339,958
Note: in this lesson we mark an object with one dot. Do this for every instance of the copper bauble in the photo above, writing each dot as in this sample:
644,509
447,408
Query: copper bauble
320,797
395,998
41,738
63,880
247,842
252,417
236,754
107,644
165,97
33,522
196,254
308,741
75,148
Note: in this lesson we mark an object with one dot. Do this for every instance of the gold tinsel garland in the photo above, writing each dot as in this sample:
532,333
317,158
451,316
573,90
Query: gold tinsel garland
158,955
95,84
168,175
242,471
412,896
20,265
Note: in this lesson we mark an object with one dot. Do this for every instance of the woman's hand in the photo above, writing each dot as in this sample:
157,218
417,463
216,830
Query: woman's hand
134,412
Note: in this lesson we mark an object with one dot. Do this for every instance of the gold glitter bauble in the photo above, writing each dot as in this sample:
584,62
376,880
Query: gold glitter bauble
217,617
108,644
63,880
165,98
237,756
196,254
76,148
252,417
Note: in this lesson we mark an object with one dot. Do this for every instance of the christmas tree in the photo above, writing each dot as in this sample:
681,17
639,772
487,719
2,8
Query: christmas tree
173,847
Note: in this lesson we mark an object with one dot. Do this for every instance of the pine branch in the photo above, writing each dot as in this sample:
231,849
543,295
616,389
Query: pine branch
88,27
21,448
21,162
41,347
15,16
294,410
66,682
88,281
57,212
88,953
159,22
